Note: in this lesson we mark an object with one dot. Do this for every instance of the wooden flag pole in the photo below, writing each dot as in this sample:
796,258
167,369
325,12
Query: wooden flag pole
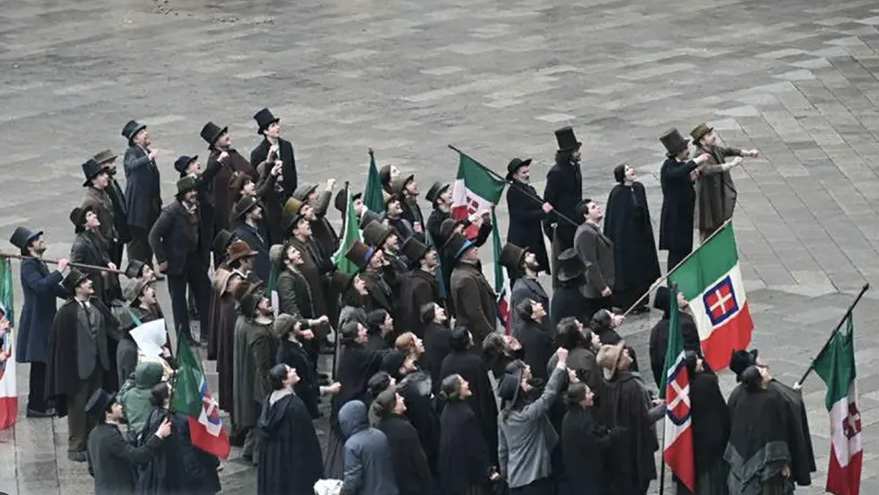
83,266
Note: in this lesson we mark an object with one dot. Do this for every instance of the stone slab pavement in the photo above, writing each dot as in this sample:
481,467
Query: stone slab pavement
794,78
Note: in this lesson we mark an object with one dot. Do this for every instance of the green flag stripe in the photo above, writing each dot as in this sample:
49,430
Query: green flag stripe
6,291
187,396
372,195
351,234
836,365
479,180
711,261
675,339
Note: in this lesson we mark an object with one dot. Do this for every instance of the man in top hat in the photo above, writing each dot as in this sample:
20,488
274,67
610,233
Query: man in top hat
40,288
221,151
418,286
78,361
596,252
89,248
182,253
319,201
97,180
407,188
564,189
523,261
440,197
107,160
142,189
717,192
189,165
371,263
526,214
473,298
248,213
676,177
273,147
112,459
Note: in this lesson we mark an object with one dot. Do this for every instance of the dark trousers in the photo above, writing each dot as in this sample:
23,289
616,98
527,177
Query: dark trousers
543,486
139,247
116,254
195,276
36,396
79,423
675,257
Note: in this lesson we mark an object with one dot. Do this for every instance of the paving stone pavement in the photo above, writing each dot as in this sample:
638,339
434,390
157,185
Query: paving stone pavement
794,78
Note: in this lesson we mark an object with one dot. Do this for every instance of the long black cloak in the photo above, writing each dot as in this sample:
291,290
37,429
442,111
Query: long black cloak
482,402
290,460
627,224
463,460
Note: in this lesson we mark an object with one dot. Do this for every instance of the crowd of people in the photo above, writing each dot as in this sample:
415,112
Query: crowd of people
429,395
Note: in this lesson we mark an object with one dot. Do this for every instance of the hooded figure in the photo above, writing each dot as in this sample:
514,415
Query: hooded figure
135,395
369,468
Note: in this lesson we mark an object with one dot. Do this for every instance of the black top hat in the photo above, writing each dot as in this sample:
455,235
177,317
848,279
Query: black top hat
221,243
244,205
376,233
302,192
457,245
341,201
514,166
131,129
185,184
22,237
73,279
211,132
360,254
414,249
570,265
77,217
104,157
436,190
673,141
91,169
566,139
512,256
181,163
264,119
99,403
134,269
369,217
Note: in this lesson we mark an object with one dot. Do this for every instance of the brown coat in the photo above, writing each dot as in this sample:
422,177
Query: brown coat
310,269
102,205
474,300
321,229
716,190
222,197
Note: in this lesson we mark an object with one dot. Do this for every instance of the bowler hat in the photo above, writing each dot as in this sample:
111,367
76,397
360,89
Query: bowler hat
290,222
673,141
22,237
77,217
244,205
399,185
292,207
514,166
73,279
390,198
304,191
376,233
447,228
368,217
211,132
360,254
221,242
341,201
699,131
133,289
566,139
512,256
264,119
436,190
185,184
134,269
457,245
249,303
99,403
570,265
181,163
131,129
91,169
104,157
508,387
414,249
239,249
341,281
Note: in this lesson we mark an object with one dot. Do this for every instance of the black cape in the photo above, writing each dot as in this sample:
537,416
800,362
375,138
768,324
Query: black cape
410,463
710,420
436,348
290,460
293,354
416,390
587,449
464,456
627,224
482,402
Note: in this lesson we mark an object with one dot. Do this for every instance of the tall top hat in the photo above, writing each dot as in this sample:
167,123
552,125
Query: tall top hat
570,265
360,254
181,163
244,205
436,190
514,166
376,233
414,249
341,281
673,141
22,237
185,184
566,139
131,129
304,191
91,169
211,132
457,245
73,279
512,256
104,157
699,131
264,119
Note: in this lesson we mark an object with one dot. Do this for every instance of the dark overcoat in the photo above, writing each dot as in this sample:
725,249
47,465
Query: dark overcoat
225,330
294,295
222,196
257,239
627,225
464,457
321,229
101,203
529,288
410,462
290,460
538,347
120,211
174,239
474,301
40,288
526,216
288,169
717,191
678,205
564,189
471,368
143,194
313,270
417,288
112,459
89,248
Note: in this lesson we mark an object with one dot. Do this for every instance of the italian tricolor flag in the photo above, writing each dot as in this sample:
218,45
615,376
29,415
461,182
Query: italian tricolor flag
711,281
836,366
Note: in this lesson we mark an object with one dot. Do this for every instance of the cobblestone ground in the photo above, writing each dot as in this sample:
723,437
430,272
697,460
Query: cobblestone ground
794,78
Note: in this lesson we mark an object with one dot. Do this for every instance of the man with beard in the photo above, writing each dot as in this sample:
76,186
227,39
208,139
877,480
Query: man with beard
107,160
394,216
78,360
97,179
89,248
40,288
440,197
319,202
371,263
597,254
407,189
384,238
525,262
177,241
525,215
220,146
564,190
271,149
190,166
472,297
256,345
248,212
314,266
142,190
417,287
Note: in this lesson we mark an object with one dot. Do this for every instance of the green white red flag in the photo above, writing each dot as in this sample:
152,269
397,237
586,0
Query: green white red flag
711,281
836,366
350,235
8,395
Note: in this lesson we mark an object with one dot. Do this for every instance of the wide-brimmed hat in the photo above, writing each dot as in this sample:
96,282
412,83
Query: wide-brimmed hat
566,139
244,205
514,166
211,132
98,403
341,200
221,242
104,157
185,184
292,208
508,387
239,249
182,162
91,169
264,119
77,216
131,129
457,245
608,357
133,289
436,190
22,236
73,279
302,192
220,281
290,222
673,141
390,198
360,254
134,269
398,186
369,217
376,233
699,131
249,302
447,228
414,249
512,256
570,265
276,254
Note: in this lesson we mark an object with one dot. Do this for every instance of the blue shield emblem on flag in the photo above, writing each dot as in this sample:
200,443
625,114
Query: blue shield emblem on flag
720,301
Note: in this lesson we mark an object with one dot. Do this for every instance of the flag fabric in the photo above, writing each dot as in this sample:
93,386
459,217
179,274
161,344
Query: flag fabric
8,395
836,366
503,303
193,398
349,237
675,389
711,281
372,196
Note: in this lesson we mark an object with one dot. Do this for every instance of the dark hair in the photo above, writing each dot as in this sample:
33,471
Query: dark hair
460,339
564,157
576,393
524,309
378,383
602,320
493,347
568,334
582,208
159,394
450,389
349,332
375,319
752,379
277,375
515,366
619,173
383,405
427,312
